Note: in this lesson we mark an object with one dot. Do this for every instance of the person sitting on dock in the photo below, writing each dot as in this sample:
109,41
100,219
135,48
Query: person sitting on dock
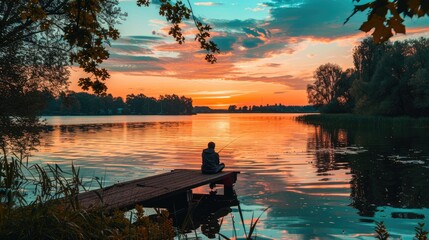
211,162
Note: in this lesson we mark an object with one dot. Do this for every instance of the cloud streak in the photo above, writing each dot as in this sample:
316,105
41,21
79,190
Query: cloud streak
264,50
208,4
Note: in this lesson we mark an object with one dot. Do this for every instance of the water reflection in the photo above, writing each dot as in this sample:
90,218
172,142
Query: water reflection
385,166
325,146
320,181
206,212
19,135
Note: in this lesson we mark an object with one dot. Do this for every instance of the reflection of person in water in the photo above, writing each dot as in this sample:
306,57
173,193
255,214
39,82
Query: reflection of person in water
210,227
210,159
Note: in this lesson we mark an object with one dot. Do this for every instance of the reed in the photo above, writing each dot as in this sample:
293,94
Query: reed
382,233
252,228
421,234
54,213
364,121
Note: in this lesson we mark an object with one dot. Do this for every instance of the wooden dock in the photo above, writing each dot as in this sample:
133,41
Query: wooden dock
172,190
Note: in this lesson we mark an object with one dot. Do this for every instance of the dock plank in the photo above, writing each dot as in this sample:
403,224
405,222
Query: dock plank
140,191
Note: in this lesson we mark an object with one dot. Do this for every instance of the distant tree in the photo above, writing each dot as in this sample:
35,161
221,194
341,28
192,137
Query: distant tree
388,79
418,54
153,105
343,92
137,104
388,90
71,105
119,106
322,91
53,105
386,83
106,104
418,71
83,103
419,84
343,101
232,108
173,104
366,57
187,105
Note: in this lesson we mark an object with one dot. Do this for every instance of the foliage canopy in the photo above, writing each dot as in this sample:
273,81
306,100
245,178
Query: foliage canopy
322,91
82,29
388,79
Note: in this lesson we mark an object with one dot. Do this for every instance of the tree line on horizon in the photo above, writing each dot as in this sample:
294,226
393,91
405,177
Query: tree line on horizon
38,41
82,103
275,108
388,79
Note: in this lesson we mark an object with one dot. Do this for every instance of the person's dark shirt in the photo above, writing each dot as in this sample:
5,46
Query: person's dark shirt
210,160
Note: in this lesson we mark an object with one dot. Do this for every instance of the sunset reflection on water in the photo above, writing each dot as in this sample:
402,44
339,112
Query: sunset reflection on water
303,172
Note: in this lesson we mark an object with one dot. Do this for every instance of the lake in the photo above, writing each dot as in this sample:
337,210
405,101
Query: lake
319,183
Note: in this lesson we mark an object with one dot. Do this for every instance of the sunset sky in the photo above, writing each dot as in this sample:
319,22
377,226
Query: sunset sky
269,50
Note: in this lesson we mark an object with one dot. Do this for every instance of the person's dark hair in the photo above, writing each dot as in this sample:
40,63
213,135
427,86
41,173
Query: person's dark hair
211,145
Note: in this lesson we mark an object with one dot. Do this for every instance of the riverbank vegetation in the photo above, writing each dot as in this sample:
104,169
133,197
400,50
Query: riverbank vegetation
363,121
39,41
388,79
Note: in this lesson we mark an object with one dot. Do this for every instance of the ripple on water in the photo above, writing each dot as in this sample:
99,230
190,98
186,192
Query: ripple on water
316,180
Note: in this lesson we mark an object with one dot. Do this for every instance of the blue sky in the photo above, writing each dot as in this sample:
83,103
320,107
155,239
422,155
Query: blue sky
269,50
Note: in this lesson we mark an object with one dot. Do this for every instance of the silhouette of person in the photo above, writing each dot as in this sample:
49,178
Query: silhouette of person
210,159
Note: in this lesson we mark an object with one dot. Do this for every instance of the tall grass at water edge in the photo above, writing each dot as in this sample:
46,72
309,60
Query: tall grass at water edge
364,121
55,213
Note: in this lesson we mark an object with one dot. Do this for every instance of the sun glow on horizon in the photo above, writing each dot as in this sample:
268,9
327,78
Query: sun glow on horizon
264,59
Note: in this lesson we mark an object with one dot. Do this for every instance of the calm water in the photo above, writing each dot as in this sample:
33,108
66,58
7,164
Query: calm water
319,183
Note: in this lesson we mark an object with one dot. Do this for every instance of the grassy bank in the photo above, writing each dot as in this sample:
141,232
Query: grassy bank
353,120
54,211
